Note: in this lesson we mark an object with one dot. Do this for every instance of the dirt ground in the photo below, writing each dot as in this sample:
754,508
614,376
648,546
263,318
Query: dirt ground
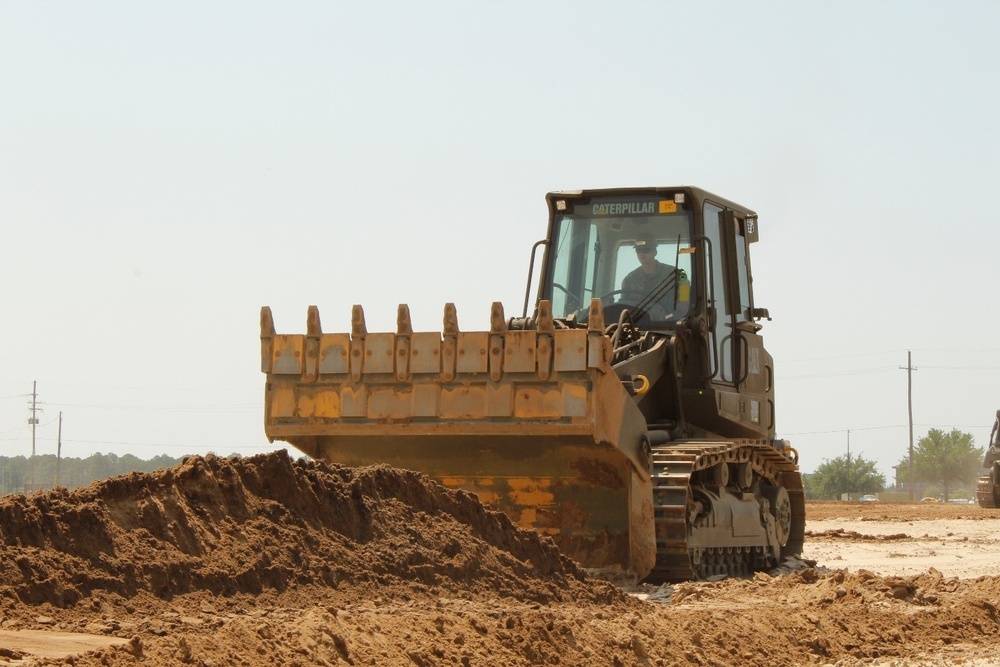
269,561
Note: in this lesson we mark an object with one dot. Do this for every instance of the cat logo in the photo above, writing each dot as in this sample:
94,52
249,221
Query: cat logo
625,208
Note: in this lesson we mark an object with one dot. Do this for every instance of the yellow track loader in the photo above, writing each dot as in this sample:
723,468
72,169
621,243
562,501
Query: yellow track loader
629,415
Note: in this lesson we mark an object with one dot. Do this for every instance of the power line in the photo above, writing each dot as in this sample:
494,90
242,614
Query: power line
964,368
880,369
953,350
889,426
14,430
843,356
842,430
169,408
783,362
133,388
190,446
861,371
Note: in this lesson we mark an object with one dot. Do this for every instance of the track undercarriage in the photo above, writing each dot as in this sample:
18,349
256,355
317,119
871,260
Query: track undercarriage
724,508
986,490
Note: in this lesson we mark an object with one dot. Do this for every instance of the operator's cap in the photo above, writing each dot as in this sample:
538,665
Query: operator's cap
645,241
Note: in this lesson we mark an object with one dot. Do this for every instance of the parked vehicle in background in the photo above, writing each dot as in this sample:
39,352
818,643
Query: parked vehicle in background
869,498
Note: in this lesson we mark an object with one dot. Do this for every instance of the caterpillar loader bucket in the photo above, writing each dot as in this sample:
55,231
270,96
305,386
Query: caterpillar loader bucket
534,421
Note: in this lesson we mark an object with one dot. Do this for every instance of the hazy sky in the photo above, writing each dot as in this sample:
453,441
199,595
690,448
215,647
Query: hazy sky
168,168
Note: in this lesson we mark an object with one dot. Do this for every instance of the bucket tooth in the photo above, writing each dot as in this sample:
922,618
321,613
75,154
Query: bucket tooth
498,327
358,333
545,323
450,320
403,324
404,330
449,342
267,335
266,322
595,319
498,323
544,344
313,326
314,332
358,327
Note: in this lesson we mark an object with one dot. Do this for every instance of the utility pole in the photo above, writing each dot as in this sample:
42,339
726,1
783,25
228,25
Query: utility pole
909,407
848,464
59,449
33,420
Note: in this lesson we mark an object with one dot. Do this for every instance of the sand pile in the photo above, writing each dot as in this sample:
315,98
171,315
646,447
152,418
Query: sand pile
232,525
272,561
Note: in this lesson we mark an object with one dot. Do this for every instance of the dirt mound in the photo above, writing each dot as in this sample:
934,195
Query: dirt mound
840,534
845,617
246,525
269,561
818,510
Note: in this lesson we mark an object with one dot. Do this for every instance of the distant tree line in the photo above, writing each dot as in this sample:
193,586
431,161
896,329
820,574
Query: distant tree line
943,464
21,474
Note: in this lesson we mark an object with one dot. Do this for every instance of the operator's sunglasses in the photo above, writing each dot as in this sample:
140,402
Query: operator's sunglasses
643,250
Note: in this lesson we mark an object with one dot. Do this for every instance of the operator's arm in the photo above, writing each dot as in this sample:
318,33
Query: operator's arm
630,290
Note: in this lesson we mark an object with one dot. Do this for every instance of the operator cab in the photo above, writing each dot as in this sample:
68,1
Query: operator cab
700,281
633,251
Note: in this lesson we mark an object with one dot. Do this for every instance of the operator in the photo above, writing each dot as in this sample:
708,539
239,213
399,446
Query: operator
650,275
